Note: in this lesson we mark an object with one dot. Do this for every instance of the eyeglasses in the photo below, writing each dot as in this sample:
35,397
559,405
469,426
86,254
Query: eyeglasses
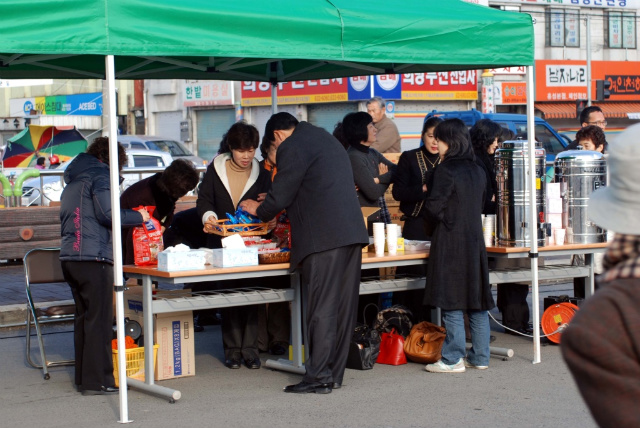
598,123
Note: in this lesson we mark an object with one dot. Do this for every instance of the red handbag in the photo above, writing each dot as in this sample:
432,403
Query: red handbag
391,349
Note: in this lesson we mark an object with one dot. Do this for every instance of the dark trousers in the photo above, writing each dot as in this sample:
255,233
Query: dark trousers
92,289
331,284
239,323
240,332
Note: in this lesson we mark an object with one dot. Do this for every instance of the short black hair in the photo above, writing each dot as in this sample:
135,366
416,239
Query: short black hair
593,133
241,136
432,122
484,133
40,161
354,127
584,114
456,135
506,135
338,132
100,149
178,178
278,122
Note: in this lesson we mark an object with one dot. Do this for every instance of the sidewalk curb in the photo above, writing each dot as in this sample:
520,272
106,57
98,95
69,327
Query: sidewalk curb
16,315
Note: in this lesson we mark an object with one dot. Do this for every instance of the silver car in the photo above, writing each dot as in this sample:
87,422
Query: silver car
175,148
53,182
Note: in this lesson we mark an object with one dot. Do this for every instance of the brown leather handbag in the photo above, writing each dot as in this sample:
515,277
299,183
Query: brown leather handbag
424,342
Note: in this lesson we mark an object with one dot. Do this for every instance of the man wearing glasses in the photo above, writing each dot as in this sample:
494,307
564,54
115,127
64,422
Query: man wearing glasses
591,115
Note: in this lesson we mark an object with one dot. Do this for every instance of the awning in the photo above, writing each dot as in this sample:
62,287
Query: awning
611,110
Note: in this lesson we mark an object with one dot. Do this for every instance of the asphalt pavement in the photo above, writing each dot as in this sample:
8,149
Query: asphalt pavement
513,392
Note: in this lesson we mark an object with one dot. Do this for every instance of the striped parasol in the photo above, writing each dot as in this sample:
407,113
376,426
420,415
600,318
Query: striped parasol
24,149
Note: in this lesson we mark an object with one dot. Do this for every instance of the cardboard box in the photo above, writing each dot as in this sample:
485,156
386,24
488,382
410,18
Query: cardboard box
173,332
226,257
553,190
186,260
388,197
554,205
555,220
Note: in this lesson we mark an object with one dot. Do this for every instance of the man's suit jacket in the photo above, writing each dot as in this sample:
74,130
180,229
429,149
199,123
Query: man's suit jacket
315,185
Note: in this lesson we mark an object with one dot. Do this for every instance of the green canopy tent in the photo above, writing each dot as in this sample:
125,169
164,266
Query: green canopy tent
254,40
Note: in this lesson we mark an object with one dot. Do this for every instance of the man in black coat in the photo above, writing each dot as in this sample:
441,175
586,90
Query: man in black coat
314,184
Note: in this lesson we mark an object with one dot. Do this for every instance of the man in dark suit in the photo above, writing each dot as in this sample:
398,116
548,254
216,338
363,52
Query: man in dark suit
314,184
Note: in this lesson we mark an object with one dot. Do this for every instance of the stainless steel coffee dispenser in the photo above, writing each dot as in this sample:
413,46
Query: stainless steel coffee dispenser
513,207
579,173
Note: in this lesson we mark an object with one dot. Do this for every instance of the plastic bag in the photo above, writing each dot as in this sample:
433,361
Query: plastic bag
147,240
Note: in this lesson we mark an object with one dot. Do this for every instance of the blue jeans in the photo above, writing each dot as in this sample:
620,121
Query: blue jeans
454,344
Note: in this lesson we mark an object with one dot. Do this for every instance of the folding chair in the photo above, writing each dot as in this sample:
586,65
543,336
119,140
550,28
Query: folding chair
42,266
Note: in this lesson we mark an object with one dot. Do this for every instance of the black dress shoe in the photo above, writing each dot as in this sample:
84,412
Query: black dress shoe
232,363
252,363
336,385
305,387
105,390
278,349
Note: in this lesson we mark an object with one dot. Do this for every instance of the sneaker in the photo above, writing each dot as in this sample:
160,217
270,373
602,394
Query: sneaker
468,365
440,367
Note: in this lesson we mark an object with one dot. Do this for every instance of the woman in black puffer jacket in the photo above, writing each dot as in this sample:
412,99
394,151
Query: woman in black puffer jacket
86,255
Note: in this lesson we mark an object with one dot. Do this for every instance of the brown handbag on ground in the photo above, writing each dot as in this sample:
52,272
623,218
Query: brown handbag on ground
424,343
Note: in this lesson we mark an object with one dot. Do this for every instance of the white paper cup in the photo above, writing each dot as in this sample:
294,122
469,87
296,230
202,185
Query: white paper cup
379,247
392,245
558,236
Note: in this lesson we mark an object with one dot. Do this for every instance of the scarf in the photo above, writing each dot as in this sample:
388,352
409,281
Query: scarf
622,259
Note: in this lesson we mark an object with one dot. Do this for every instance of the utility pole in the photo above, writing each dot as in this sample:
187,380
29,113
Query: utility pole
588,59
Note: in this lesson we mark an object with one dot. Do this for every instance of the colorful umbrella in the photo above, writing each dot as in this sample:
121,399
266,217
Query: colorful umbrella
24,149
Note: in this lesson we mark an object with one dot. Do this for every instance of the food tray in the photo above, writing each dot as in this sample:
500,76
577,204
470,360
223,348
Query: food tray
270,258
219,228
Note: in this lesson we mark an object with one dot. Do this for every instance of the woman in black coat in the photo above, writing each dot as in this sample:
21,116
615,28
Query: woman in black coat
484,138
233,176
415,167
457,273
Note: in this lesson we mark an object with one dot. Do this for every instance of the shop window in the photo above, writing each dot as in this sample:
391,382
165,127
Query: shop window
620,30
562,27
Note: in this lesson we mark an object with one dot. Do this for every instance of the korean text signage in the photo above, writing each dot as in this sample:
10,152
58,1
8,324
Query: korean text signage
58,105
451,85
567,80
298,92
208,93
627,4
454,85
510,92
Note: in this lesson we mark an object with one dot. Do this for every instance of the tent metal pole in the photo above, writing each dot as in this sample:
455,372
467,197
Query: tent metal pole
274,98
533,217
116,234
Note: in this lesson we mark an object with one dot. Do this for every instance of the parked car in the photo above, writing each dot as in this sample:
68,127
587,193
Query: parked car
52,185
148,142
551,141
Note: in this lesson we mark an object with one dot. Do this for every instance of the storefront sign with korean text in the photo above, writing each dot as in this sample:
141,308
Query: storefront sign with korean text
208,93
558,80
58,105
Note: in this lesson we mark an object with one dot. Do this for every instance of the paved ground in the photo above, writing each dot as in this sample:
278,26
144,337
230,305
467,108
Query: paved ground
511,393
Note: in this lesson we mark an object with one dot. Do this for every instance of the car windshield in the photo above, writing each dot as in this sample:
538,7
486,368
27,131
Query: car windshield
173,147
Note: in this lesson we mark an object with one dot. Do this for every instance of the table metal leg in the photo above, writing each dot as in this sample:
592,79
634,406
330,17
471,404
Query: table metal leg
590,286
296,365
148,385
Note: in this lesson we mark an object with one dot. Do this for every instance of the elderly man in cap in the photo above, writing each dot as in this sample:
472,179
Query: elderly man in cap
602,343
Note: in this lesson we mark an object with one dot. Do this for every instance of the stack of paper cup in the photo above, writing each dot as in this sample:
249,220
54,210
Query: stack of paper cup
378,238
489,229
558,236
392,238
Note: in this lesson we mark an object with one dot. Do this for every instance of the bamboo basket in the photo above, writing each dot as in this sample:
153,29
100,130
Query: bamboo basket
219,228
